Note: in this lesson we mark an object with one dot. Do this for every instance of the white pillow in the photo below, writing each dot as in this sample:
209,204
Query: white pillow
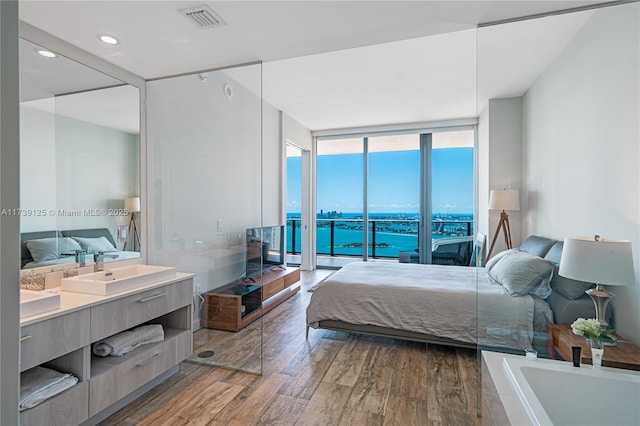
94,245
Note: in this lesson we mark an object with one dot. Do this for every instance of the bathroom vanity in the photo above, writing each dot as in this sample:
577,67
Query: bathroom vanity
62,339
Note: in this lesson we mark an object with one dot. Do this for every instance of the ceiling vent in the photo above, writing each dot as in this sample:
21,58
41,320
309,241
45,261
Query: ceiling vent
203,17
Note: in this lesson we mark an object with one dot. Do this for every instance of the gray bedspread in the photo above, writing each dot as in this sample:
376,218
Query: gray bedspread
453,302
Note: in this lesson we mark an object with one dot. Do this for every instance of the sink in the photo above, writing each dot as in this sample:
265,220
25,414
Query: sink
36,302
117,280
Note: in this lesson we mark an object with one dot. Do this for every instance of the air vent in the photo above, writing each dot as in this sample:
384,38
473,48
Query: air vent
203,17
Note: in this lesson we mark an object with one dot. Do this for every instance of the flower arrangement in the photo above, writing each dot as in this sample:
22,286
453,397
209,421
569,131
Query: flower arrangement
592,330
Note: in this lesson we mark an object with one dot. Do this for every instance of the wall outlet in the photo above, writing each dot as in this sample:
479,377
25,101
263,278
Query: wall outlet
198,289
219,225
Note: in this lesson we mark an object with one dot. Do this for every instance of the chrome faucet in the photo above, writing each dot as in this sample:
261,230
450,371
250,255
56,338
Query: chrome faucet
98,260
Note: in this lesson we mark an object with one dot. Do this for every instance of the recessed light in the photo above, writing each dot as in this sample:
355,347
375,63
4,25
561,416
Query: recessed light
109,39
46,53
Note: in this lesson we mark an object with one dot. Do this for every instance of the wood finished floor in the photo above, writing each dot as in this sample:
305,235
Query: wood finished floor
331,379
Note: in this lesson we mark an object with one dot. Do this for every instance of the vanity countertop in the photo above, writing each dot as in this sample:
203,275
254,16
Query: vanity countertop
71,302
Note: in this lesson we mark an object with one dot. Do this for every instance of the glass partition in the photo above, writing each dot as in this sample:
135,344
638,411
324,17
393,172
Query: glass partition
565,136
205,187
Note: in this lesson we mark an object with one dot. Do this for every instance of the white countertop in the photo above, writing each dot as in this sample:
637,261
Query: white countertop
71,302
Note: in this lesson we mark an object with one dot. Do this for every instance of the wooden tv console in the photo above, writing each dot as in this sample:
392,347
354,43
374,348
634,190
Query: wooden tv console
235,305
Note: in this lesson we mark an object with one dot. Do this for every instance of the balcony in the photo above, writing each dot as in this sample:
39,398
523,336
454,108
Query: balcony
339,240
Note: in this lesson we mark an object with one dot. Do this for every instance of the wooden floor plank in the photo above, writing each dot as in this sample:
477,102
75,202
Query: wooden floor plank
360,418
325,406
285,411
347,365
403,411
410,378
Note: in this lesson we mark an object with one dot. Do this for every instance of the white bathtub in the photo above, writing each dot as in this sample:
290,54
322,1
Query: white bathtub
557,393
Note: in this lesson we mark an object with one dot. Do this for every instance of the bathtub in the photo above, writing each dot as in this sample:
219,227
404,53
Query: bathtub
557,393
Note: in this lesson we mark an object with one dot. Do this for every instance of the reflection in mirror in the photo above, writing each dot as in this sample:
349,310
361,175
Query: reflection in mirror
79,162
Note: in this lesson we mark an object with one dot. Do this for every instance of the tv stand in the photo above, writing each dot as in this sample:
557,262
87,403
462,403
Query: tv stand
223,307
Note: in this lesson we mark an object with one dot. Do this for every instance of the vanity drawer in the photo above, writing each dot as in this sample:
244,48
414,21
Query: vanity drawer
52,338
70,407
116,377
120,315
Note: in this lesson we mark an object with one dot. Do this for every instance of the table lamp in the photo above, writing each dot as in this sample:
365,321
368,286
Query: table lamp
506,199
600,261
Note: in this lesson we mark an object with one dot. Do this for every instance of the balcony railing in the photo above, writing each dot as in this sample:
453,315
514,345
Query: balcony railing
387,237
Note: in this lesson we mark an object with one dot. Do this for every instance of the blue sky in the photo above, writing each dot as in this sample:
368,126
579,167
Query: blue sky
393,182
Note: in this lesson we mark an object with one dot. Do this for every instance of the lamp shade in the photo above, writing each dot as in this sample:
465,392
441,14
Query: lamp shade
504,199
596,260
132,204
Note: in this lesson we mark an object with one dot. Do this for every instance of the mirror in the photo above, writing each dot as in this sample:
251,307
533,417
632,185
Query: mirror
79,161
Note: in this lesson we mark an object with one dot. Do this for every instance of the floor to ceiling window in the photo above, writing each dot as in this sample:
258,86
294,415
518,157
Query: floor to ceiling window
380,197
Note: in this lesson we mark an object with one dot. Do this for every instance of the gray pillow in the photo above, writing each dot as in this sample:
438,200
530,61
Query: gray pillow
44,249
571,289
94,245
521,273
496,257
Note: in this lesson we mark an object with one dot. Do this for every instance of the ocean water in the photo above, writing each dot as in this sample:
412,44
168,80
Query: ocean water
391,237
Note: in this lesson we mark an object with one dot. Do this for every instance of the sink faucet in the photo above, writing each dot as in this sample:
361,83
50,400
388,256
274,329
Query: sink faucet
98,260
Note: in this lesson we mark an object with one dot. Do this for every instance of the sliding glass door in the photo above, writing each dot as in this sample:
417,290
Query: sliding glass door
393,196
340,204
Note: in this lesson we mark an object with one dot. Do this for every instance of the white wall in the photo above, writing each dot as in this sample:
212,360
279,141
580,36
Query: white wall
582,137
499,165
296,133
272,167
74,165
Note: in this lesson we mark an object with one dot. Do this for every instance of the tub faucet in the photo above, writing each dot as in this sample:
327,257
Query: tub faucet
98,260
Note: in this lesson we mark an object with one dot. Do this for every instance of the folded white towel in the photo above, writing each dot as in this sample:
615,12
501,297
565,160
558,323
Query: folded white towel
41,383
121,343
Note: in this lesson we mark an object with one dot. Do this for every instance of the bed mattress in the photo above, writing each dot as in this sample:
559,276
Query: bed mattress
450,302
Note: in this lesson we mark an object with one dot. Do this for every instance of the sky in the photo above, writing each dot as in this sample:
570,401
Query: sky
394,179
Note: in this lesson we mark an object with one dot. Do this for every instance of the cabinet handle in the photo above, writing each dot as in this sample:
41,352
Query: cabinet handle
148,360
23,338
146,299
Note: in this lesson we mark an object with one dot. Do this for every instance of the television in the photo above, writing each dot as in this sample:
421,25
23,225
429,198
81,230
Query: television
265,249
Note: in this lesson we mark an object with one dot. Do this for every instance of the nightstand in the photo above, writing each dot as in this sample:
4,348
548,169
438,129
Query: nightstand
561,339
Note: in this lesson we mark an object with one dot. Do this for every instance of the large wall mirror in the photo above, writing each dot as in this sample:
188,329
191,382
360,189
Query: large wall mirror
79,161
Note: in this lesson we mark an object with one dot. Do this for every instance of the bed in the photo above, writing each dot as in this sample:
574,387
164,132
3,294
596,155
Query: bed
486,307
51,248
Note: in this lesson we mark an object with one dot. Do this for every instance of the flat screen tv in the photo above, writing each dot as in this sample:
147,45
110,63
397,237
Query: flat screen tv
265,249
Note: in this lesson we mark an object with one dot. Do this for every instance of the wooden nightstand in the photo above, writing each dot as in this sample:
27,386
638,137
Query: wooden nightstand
561,339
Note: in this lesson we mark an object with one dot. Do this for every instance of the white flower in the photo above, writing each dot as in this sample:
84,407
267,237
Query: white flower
586,327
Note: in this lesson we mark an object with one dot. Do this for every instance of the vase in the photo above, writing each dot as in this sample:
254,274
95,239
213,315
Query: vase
597,351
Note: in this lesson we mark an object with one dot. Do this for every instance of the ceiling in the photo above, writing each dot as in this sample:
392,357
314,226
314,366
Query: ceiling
330,64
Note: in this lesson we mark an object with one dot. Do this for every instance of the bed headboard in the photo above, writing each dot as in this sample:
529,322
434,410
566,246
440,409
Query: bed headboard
90,233
567,300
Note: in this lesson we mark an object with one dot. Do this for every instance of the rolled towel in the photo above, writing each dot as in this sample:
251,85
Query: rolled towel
40,383
121,343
